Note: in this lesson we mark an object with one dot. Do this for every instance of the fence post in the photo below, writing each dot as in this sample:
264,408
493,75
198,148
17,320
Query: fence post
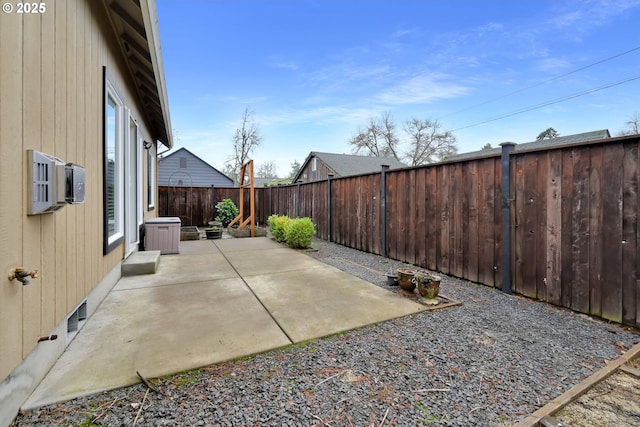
383,210
329,177
505,160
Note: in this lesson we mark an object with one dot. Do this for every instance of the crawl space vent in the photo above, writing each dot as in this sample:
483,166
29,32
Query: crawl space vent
76,320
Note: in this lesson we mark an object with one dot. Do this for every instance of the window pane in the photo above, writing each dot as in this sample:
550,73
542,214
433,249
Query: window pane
112,167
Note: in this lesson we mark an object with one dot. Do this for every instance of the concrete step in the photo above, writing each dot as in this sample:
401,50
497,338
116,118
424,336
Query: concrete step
145,262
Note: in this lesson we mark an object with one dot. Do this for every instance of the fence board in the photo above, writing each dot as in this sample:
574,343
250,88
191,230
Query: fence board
554,227
410,224
402,202
392,217
471,231
431,223
497,223
612,232
420,207
580,231
596,254
444,180
486,224
375,216
567,227
456,237
519,226
542,168
629,232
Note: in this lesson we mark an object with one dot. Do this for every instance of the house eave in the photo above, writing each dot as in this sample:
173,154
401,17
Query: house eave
135,24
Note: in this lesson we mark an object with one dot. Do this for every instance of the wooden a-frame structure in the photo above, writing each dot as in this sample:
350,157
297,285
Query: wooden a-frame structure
247,167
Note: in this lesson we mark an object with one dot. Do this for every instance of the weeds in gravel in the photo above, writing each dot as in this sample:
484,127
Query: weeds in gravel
184,378
88,423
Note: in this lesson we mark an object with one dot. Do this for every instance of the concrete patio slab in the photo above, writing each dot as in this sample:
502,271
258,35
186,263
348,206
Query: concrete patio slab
215,301
246,244
159,331
176,269
267,261
324,300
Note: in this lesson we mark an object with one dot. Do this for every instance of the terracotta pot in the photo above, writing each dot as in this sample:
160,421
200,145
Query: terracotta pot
428,287
405,278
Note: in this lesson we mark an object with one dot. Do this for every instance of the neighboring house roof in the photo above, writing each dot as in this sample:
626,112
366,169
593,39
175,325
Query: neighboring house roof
194,173
542,143
135,23
350,164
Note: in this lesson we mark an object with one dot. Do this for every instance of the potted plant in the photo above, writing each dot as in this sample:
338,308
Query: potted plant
227,212
405,278
214,232
428,287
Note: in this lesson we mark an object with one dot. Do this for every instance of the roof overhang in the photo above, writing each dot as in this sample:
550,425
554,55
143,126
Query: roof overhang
135,23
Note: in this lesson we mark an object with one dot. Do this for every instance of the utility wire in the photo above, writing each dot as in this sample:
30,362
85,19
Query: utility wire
544,81
554,101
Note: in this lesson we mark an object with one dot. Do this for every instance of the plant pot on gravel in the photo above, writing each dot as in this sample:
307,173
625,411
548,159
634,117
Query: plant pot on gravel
392,279
428,287
405,278
213,233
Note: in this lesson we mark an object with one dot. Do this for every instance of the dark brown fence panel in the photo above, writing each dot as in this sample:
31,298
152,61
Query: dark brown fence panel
191,204
576,231
574,212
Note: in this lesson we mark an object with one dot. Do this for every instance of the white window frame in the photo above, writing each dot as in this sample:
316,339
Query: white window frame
151,177
115,238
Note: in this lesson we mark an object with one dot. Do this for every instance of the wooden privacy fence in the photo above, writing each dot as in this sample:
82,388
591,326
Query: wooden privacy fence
558,223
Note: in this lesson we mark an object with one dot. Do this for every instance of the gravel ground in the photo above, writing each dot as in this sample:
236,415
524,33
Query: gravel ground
489,362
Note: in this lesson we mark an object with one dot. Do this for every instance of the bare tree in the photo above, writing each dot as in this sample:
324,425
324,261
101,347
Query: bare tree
245,140
267,170
426,141
633,126
378,139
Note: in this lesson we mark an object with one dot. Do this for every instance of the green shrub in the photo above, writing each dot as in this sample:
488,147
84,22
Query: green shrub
227,211
299,232
277,226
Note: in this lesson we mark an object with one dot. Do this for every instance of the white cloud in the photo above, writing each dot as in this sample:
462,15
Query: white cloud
421,89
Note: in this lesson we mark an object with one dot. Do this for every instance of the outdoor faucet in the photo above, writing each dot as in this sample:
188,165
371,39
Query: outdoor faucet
23,275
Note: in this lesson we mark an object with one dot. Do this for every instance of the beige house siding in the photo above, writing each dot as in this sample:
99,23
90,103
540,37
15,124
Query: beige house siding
51,100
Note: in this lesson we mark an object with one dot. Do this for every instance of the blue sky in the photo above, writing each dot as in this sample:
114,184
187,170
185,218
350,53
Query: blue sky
313,71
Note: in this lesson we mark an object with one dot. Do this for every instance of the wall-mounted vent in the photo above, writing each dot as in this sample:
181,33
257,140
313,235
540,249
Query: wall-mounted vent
54,183
46,173
76,320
